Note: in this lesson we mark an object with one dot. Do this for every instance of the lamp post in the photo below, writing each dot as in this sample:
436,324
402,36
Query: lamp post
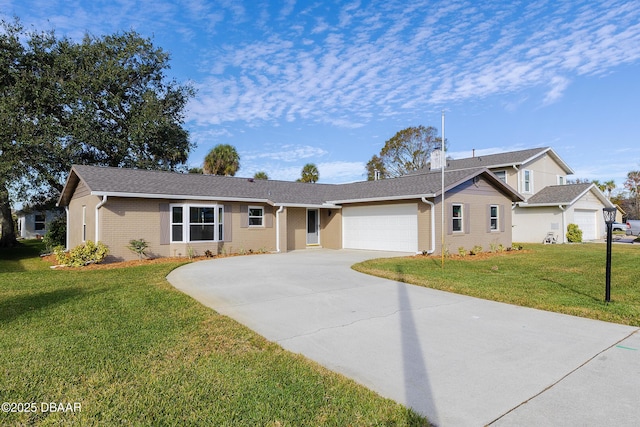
609,218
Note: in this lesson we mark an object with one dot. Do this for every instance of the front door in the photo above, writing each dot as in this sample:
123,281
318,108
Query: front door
313,220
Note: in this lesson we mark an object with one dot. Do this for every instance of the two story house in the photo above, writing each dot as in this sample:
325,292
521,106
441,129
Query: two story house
540,176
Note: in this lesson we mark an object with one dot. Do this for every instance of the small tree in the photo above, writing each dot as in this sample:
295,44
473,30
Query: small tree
574,234
56,234
138,246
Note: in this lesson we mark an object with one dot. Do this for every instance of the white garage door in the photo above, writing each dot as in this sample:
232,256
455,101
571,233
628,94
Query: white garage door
382,227
586,220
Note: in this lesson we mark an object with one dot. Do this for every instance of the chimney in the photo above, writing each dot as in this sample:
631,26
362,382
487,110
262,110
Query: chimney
473,153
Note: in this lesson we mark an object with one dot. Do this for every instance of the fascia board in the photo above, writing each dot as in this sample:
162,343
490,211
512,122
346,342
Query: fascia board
381,199
179,197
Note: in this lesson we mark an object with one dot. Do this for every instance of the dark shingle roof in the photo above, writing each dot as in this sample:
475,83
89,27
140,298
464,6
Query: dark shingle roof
160,184
507,159
559,194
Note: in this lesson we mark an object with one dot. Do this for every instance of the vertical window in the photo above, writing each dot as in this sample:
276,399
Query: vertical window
527,181
256,216
201,223
560,180
39,221
493,217
456,215
84,223
176,224
220,223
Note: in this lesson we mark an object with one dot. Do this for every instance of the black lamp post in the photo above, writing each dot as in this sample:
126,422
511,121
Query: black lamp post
609,218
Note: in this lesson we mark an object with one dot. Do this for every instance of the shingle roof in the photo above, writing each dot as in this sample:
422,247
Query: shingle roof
160,184
507,159
560,194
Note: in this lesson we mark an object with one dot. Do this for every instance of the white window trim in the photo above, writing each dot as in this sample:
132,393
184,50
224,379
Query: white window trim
84,223
497,218
561,180
461,217
524,180
249,216
36,222
218,220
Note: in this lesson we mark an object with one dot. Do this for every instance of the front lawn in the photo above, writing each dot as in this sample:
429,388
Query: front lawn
562,278
122,347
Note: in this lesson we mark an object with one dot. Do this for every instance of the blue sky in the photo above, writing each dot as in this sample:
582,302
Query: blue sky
329,82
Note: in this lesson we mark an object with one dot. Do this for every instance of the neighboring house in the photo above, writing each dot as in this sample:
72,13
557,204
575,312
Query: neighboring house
550,204
32,223
176,213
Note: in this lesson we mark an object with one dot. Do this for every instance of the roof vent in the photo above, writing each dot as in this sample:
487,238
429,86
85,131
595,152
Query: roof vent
250,180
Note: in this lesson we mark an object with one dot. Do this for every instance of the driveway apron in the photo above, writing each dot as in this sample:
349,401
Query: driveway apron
458,360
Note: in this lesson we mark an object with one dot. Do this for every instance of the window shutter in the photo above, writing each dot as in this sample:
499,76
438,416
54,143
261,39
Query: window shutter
244,216
501,216
165,224
268,216
449,220
466,217
488,219
227,223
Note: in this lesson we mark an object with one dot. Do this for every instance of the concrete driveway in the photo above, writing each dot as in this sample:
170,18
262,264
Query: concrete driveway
460,361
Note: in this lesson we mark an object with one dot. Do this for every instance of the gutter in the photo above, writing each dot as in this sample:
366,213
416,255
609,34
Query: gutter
278,212
66,211
564,228
98,206
433,224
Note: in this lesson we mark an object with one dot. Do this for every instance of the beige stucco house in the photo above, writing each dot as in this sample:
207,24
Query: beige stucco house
550,204
179,213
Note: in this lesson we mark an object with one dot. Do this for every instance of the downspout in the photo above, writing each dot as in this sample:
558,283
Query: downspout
278,212
98,206
66,211
564,228
433,225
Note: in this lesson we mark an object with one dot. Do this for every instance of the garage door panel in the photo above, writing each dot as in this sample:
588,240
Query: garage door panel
381,227
586,220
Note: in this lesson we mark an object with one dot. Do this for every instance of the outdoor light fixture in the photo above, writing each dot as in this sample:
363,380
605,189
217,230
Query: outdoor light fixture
609,218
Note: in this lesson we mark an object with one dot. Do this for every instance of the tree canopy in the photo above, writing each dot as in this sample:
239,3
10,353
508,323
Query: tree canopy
407,151
260,175
223,159
102,101
309,173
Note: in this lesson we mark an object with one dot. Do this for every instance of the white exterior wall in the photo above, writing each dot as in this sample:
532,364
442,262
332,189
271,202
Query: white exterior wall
531,225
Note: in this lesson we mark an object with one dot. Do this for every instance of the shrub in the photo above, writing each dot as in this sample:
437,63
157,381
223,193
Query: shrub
462,251
138,246
574,234
476,250
88,253
56,234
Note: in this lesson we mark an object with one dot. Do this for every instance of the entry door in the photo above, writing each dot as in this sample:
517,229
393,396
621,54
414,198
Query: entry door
312,227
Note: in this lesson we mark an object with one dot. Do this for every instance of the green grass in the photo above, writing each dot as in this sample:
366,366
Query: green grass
562,278
132,350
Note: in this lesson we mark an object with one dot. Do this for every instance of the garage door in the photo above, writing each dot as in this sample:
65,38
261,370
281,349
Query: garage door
586,220
382,227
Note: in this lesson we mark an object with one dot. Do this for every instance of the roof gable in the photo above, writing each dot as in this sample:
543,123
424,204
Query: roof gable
554,195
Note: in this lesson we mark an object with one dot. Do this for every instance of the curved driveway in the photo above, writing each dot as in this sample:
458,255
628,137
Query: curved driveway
460,361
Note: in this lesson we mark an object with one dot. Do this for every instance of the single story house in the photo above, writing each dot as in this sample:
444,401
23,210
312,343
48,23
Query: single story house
33,223
177,213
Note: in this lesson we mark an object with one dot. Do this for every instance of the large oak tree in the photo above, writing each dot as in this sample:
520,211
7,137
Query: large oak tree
102,101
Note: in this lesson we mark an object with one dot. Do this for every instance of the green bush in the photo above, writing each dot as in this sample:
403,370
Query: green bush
88,253
574,234
56,234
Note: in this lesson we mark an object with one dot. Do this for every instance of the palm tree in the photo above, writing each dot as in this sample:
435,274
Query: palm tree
223,159
260,175
609,187
309,173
